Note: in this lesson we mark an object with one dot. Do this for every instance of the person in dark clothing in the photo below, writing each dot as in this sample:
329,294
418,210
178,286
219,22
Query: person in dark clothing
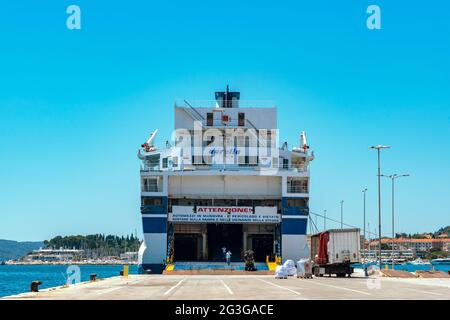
249,258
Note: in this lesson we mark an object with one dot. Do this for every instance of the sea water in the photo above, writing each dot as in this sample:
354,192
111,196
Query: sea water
16,279
411,267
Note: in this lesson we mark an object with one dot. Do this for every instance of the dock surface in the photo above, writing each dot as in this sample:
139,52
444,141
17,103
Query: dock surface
246,287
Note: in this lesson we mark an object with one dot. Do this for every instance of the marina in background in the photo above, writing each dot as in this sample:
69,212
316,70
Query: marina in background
90,249
15,279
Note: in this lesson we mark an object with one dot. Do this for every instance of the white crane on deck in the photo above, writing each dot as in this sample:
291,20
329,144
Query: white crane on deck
303,143
148,146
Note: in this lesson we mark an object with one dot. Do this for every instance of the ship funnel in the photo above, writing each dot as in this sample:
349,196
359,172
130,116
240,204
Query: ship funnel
227,99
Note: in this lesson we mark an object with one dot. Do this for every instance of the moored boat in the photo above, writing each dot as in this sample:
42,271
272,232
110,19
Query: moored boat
441,261
418,262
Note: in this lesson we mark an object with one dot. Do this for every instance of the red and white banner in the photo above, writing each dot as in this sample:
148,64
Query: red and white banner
224,214
224,210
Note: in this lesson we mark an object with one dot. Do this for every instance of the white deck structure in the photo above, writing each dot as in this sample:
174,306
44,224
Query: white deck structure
223,181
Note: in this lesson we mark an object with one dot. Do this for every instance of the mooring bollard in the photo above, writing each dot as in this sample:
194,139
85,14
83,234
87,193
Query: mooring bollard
93,276
34,287
125,270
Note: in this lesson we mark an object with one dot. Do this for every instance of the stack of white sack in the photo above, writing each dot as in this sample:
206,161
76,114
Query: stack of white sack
280,272
301,267
304,268
291,270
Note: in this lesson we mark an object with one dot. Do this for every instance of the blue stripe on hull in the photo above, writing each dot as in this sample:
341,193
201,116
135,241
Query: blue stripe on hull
294,226
295,211
155,209
154,225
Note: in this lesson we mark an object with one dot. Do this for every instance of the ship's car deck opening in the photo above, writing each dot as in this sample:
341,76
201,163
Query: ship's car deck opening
224,235
204,242
262,246
187,247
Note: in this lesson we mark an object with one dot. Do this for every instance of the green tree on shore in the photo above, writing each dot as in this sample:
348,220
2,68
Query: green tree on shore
97,244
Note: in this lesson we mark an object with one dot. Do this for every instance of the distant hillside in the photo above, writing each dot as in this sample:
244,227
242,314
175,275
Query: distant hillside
13,249
443,230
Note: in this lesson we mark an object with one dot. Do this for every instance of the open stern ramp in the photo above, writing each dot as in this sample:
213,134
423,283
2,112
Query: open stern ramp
197,265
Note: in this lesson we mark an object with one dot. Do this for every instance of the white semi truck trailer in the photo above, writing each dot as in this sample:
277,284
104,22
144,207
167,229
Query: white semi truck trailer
334,251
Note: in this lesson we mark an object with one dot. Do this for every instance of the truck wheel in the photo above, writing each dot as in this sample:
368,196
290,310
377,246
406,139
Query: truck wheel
316,272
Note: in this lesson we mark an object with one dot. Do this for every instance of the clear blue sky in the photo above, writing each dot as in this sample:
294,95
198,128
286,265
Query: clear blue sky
76,105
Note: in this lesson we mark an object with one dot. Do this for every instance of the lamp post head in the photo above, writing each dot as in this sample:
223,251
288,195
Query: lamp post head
379,147
364,190
395,176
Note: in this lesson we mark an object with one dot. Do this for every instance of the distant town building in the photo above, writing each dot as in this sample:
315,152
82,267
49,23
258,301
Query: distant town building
53,255
397,254
418,245
129,256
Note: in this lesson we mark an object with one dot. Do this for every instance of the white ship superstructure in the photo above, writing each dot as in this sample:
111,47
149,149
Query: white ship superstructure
223,181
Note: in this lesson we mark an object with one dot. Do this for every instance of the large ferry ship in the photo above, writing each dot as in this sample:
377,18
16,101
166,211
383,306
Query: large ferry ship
223,183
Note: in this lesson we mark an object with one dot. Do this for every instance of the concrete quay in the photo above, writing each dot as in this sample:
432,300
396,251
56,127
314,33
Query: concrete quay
246,287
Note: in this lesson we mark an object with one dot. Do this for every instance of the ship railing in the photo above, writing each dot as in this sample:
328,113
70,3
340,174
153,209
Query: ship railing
150,167
297,168
228,167
160,147
297,189
151,188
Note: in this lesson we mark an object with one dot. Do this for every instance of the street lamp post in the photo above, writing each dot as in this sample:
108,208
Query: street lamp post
379,148
370,239
342,214
364,228
393,177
